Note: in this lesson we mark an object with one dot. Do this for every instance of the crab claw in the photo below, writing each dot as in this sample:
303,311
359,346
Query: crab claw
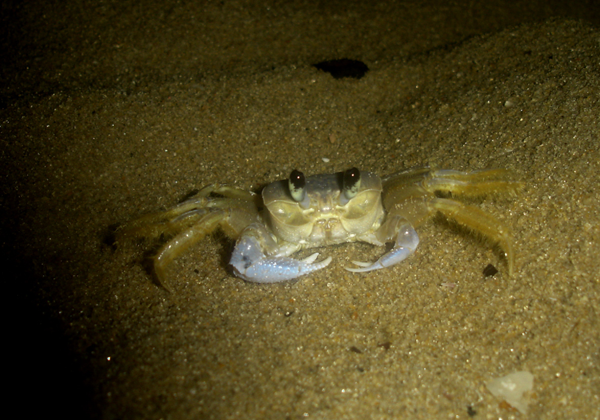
250,263
406,243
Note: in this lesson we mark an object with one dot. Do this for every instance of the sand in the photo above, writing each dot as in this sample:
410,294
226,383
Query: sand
111,110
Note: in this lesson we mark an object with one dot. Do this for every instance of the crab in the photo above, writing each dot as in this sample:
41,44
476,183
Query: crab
320,210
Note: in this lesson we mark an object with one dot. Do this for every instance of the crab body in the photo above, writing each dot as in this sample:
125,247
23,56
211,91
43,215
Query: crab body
323,210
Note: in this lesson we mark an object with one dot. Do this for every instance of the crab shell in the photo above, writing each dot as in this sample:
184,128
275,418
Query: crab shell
325,216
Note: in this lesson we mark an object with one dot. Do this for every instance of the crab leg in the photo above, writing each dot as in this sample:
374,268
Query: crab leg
258,258
182,242
187,213
480,222
407,241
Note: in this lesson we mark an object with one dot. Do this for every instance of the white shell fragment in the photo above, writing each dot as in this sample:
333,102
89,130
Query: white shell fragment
513,388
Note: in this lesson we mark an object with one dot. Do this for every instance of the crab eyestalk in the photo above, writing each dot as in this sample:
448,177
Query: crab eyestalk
296,185
351,183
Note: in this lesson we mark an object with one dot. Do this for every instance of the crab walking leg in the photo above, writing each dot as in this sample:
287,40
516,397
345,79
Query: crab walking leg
480,222
251,263
472,183
182,242
407,241
186,213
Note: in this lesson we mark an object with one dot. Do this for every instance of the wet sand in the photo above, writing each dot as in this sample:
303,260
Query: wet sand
110,111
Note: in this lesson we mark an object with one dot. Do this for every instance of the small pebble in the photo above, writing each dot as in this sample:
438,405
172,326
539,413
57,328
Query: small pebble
513,388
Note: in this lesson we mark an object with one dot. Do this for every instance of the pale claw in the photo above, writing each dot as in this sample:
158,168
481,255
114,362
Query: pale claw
250,263
311,258
362,263
406,243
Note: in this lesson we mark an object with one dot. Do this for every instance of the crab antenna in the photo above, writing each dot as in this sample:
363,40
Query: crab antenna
296,184
351,183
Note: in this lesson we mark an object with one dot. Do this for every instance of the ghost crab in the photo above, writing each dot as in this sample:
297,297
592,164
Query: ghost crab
306,212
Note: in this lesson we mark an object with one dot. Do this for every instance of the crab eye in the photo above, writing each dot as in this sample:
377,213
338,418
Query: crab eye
351,183
296,184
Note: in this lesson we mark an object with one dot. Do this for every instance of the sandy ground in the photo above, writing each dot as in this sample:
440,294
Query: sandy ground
111,110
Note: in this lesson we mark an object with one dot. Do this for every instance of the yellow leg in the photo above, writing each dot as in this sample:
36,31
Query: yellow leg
191,221
182,242
185,214
479,222
492,181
